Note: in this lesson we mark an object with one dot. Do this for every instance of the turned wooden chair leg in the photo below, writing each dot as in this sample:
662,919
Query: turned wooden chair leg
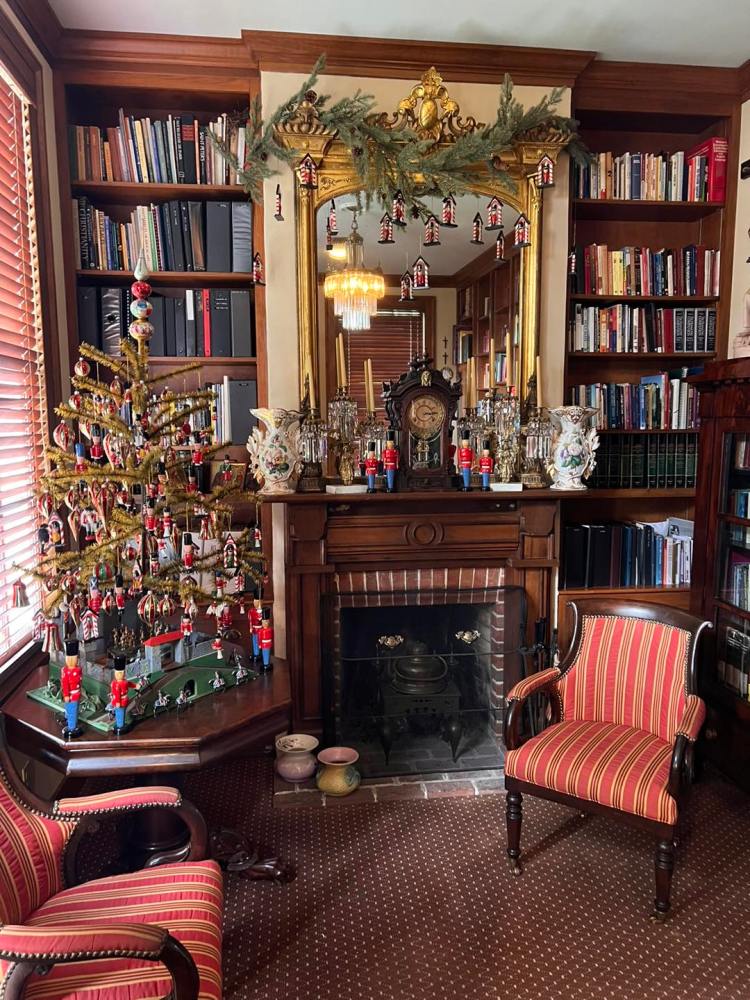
514,815
664,869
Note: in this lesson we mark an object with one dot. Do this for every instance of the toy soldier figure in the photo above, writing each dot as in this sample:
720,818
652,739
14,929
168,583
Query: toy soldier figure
390,461
266,639
196,463
80,453
371,467
118,691
96,452
186,627
188,550
70,684
226,471
465,462
254,621
486,465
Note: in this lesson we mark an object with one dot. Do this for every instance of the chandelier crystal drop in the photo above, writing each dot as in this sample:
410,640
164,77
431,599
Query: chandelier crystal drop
355,291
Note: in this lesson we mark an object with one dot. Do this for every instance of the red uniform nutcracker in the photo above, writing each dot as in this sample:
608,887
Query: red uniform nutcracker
254,621
465,462
390,462
118,692
371,467
96,451
486,465
196,463
186,627
266,639
70,685
188,550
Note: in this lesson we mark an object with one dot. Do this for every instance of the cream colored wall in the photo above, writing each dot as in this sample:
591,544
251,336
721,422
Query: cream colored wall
740,267
479,100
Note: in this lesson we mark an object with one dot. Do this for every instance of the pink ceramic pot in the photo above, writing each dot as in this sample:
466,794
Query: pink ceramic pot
295,760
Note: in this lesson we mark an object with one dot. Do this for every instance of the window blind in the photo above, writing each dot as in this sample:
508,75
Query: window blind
23,432
394,337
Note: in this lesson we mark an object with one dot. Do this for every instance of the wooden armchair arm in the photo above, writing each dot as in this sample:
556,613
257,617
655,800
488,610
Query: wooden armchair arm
37,949
534,684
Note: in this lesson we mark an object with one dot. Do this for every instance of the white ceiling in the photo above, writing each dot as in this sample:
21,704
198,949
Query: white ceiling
680,31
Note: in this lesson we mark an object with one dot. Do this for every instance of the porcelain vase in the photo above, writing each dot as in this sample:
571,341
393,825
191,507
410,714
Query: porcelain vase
295,758
573,447
275,455
337,774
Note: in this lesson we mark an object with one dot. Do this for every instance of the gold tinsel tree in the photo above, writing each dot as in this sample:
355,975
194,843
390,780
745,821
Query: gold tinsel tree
125,513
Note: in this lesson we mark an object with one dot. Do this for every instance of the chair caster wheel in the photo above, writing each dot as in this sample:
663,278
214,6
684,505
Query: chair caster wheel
658,917
515,866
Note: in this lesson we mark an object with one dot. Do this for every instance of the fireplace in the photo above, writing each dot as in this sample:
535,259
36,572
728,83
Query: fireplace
414,679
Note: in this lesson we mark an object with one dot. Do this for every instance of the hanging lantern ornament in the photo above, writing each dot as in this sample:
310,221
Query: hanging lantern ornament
545,173
448,213
432,232
278,214
398,213
386,229
46,505
421,272
329,237
522,232
476,230
494,214
89,625
333,226
148,609
37,626
406,287
307,172
230,553
50,636
20,597
258,270
500,248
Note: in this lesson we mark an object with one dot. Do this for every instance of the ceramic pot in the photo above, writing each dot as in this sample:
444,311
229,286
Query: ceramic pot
275,455
336,774
295,760
573,448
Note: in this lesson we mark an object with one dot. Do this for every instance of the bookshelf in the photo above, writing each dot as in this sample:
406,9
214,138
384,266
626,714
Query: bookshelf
629,125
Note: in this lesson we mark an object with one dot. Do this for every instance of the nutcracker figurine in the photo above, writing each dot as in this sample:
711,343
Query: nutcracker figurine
371,467
188,550
80,453
70,684
254,621
486,465
266,639
465,462
118,691
186,627
226,471
96,451
196,462
258,269
390,461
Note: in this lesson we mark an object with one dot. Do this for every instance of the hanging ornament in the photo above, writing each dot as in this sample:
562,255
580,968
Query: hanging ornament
406,287
50,636
148,609
230,553
55,528
89,625
333,227
448,213
432,232
37,625
494,214
398,212
278,214
205,530
421,272
522,232
76,401
224,617
386,229
307,172
115,386
258,270
500,248
74,523
62,436
545,173
188,550
136,582
572,263
329,238
476,230
46,505
140,309
109,605
167,606
20,597
191,608
217,648
257,538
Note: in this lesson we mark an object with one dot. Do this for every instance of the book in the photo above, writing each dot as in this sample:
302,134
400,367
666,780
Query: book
242,323
698,174
88,316
242,237
637,554
221,323
668,271
218,236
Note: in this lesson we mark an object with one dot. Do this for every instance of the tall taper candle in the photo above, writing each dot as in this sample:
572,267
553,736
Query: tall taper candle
338,364
369,393
508,360
539,381
342,360
310,382
492,363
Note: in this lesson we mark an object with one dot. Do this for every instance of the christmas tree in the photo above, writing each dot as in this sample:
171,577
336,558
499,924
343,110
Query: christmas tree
131,534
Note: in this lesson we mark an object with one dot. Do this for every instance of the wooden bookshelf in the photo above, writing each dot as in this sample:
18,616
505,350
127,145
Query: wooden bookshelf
169,279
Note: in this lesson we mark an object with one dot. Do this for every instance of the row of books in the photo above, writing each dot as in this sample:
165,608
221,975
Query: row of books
230,412
192,322
175,150
737,578
624,329
628,554
664,401
646,461
174,236
689,270
739,503
698,174
733,661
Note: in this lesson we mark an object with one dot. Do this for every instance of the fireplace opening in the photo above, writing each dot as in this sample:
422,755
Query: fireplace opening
415,682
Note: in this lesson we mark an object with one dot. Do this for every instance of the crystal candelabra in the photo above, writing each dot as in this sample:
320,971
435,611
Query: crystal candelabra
313,445
507,414
342,432
371,429
537,449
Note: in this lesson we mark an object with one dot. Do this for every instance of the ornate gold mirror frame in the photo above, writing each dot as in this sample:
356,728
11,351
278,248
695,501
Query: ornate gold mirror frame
430,113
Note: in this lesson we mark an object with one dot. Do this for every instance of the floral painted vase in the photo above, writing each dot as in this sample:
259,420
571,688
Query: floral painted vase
337,774
295,760
275,454
573,448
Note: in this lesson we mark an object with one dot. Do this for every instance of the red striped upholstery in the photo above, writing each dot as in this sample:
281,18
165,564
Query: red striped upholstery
22,942
31,850
535,682
613,765
692,718
186,899
124,798
630,672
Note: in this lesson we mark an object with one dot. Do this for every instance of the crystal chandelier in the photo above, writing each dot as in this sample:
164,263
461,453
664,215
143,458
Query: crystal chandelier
354,290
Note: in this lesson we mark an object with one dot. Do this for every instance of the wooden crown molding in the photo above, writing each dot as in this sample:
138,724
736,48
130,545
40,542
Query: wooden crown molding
744,80
401,58
42,24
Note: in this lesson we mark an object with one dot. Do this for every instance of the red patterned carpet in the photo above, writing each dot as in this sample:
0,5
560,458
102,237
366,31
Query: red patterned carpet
414,900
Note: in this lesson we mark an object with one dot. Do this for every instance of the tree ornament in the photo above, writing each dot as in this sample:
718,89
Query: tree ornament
50,636
432,232
62,436
167,606
307,172
148,609
82,368
406,287
45,504
522,232
448,212
386,230
258,270
476,230
545,173
20,597
109,606
329,238
494,214
500,248
191,608
141,331
37,626
278,214
140,309
333,227
89,625
398,210
421,272
230,553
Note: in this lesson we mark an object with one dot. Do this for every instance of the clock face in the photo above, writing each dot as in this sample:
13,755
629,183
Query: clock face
426,415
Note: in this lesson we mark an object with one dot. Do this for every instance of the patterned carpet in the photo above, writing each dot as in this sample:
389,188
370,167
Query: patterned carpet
414,900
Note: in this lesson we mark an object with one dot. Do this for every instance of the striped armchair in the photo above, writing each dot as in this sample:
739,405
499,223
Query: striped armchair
151,933
623,718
